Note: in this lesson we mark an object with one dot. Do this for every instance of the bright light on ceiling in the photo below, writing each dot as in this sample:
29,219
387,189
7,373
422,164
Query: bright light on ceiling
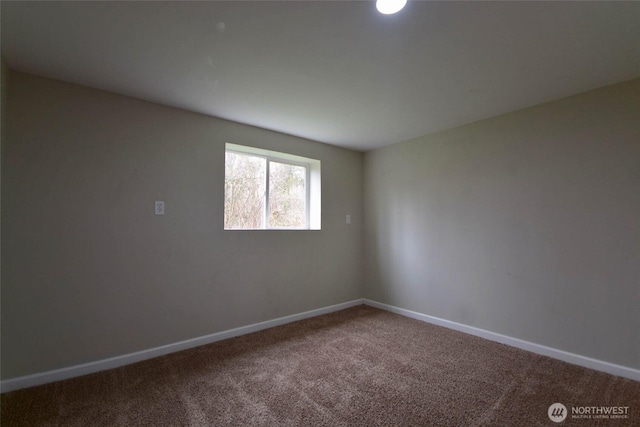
389,7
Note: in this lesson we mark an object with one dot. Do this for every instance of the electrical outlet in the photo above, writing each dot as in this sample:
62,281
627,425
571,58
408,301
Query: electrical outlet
348,219
159,207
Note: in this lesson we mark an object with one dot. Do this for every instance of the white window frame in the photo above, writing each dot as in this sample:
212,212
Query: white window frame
312,184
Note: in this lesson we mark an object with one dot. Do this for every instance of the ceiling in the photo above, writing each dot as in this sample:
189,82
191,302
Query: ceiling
337,72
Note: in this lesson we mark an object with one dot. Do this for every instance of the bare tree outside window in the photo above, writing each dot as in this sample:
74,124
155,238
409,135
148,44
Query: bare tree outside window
287,195
247,186
244,191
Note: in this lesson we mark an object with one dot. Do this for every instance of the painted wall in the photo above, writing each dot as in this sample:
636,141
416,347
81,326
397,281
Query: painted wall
88,271
4,72
527,224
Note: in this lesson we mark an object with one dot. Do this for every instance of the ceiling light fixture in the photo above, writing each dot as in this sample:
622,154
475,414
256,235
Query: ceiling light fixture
389,7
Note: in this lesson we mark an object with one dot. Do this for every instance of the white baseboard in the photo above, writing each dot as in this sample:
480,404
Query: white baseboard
127,359
576,359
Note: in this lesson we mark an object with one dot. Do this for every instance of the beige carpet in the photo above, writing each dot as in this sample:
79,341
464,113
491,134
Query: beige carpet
360,366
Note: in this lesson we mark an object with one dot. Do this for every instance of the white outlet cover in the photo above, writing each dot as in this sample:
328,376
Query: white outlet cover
159,207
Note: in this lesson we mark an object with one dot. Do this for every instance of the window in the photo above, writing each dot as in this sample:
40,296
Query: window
270,190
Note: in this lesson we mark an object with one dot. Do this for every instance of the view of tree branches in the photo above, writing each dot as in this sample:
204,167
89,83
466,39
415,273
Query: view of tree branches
286,195
245,190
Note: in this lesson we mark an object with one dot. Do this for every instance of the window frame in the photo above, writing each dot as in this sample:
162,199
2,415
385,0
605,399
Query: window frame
312,184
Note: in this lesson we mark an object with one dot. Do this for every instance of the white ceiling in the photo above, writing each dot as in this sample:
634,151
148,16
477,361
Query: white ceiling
332,71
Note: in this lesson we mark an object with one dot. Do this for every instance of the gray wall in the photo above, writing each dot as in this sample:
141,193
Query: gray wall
4,71
88,272
527,224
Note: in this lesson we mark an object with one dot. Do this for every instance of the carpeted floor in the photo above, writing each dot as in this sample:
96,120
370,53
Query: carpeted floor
357,367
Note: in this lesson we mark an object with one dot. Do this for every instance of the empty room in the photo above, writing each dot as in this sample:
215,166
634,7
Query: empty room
305,213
